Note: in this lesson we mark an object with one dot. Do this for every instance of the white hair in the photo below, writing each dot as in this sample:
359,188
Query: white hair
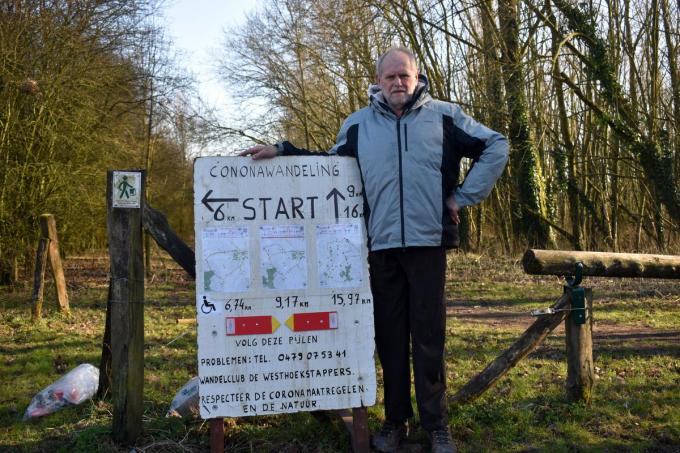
402,49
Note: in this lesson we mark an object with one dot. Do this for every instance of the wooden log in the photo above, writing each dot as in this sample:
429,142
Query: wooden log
579,339
48,227
158,227
529,340
127,316
601,264
217,435
39,278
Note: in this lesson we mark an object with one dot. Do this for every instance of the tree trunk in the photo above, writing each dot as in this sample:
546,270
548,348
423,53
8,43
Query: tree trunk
657,162
674,69
148,160
572,194
530,190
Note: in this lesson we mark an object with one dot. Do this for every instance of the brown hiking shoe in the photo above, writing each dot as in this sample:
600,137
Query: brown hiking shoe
389,437
442,441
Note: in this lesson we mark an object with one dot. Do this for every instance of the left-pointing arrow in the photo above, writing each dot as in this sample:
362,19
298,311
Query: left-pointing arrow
206,200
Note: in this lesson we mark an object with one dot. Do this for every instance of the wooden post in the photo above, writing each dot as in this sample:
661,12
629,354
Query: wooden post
105,361
127,307
579,339
15,271
39,278
48,227
356,422
217,435
360,436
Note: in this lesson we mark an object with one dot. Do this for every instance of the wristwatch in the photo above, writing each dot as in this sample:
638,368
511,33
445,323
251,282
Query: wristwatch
279,148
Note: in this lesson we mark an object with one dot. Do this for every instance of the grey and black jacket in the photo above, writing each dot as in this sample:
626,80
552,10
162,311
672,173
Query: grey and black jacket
410,166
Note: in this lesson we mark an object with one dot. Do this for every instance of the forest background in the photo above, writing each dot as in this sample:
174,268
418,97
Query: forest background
588,93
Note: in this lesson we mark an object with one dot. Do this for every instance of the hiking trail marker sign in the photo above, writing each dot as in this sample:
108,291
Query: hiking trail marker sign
283,302
126,190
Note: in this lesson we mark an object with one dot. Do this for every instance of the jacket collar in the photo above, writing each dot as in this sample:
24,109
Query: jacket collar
420,97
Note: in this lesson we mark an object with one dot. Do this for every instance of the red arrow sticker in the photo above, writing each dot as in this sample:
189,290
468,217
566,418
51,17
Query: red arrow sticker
252,325
323,320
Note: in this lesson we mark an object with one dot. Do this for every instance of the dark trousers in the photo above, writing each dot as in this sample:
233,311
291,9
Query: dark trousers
408,304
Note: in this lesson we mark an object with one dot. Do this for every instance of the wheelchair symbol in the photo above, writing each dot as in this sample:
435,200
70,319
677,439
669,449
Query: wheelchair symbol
207,307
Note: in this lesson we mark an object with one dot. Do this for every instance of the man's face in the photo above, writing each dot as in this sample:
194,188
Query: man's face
398,79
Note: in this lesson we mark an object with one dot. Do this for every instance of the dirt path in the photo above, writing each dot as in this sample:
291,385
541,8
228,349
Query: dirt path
606,334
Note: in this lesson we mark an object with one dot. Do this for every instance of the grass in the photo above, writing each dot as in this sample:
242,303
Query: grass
636,404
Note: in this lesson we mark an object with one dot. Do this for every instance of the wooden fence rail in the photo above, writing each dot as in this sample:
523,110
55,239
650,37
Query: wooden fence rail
529,340
156,224
578,324
601,264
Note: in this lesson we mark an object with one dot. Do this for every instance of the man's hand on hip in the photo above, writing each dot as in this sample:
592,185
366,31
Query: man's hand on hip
453,209
260,152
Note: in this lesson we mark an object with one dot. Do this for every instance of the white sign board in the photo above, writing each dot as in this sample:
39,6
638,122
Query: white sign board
284,308
126,190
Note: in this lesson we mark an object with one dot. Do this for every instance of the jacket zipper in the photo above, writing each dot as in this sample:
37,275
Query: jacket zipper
401,185
405,137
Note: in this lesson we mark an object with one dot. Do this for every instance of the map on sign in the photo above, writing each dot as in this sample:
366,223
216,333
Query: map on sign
226,259
339,255
283,302
283,257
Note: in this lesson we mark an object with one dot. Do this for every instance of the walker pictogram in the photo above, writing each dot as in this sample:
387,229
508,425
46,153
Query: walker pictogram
126,189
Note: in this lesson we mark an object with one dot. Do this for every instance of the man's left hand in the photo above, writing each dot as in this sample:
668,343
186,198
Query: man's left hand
453,209
260,152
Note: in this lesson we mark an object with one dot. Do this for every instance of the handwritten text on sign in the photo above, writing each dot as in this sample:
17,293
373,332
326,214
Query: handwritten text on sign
285,316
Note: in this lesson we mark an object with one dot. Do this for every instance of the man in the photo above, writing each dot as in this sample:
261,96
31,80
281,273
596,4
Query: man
408,147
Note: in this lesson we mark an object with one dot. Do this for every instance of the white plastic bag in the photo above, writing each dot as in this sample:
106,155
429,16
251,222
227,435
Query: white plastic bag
78,385
185,401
